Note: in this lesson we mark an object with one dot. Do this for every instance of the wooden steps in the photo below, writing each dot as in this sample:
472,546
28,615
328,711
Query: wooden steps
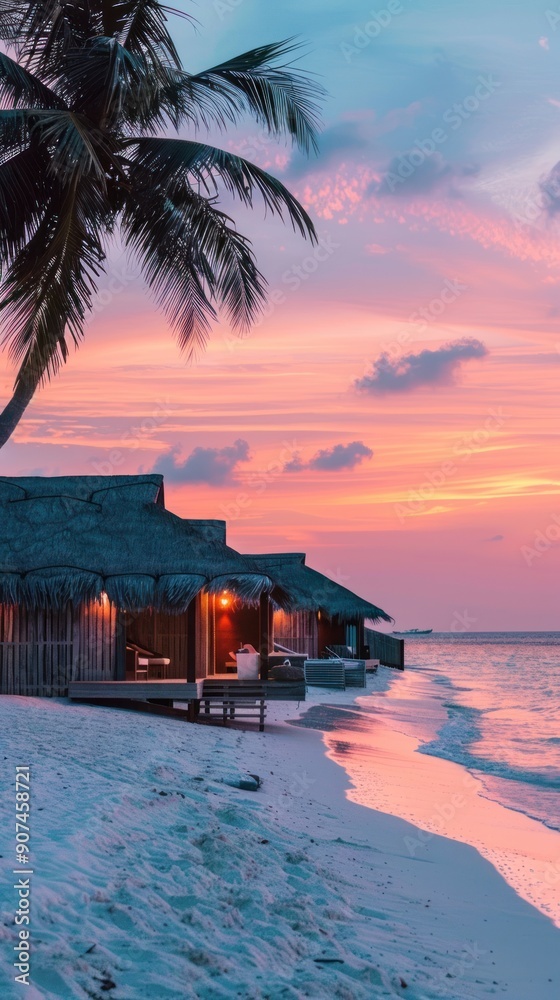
233,701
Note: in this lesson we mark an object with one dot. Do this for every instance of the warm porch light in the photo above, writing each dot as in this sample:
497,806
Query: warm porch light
225,600
104,598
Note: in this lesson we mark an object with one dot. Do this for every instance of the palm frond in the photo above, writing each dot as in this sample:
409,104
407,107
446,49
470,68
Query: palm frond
194,261
48,30
170,164
83,109
21,89
12,16
284,100
174,269
111,85
143,30
75,146
49,287
25,191
15,132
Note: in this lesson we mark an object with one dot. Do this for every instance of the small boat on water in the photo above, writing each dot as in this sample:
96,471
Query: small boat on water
414,631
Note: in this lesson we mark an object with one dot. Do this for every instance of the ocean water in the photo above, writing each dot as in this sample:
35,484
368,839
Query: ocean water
500,698
464,743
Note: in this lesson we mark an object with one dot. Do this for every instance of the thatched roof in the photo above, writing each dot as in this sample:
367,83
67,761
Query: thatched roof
309,590
74,538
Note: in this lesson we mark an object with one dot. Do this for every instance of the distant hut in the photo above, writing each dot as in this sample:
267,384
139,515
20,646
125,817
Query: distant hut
322,614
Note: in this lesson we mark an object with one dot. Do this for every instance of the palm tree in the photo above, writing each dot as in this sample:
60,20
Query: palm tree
91,106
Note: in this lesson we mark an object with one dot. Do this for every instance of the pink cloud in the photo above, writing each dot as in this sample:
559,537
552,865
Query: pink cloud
346,194
376,248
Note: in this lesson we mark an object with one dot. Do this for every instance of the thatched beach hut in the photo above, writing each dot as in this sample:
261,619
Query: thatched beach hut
98,577
91,563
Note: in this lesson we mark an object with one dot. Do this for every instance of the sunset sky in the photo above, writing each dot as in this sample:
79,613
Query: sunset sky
395,414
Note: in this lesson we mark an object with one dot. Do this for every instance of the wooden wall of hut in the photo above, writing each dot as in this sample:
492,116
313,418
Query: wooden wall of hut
172,636
235,625
331,633
297,630
41,651
99,643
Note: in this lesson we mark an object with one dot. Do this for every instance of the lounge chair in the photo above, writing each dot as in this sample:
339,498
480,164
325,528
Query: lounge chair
141,660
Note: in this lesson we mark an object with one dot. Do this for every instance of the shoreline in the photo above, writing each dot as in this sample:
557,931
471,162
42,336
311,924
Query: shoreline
492,909
156,873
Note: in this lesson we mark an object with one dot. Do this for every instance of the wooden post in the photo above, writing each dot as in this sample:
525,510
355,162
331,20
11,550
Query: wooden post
120,645
265,633
270,627
192,618
360,639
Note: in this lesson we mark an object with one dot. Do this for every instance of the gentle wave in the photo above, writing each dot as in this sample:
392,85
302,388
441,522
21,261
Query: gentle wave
502,713
538,805
463,729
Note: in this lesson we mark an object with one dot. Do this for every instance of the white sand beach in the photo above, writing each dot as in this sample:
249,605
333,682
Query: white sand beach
154,878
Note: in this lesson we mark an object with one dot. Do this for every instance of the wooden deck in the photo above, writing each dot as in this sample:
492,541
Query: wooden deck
178,690
156,690
230,701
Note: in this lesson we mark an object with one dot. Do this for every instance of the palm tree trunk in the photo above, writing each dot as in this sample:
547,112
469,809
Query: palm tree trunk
13,412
